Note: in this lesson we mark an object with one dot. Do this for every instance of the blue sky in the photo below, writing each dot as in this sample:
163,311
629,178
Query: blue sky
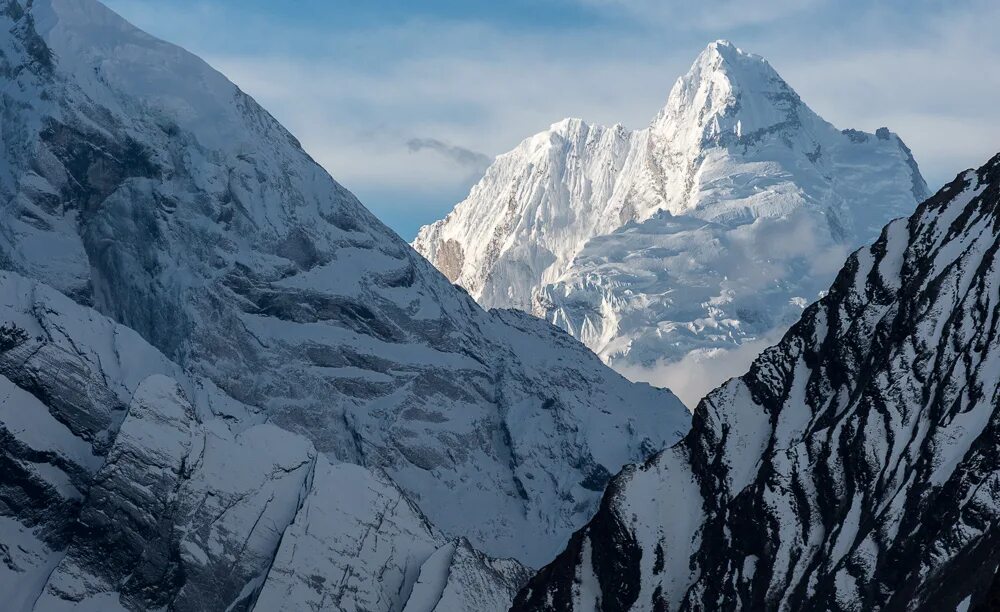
404,101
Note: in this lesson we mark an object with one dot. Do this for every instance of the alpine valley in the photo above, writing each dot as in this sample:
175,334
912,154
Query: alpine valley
225,385
679,251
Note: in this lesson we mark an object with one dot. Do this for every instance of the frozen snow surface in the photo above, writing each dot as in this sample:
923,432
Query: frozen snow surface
225,371
711,228
854,467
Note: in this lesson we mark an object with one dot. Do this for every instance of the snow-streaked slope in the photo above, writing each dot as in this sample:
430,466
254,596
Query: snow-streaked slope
457,577
712,227
127,485
854,467
136,179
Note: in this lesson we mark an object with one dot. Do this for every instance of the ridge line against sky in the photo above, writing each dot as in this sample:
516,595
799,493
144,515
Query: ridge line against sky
403,102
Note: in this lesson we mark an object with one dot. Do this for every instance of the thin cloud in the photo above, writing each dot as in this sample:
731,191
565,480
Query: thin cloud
710,15
697,373
473,160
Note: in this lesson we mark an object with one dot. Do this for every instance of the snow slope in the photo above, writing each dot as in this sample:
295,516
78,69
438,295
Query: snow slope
137,180
711,228
854,467
128,485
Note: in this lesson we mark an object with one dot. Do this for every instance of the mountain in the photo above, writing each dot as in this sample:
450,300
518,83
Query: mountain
138,181
854,467
668,246
128,485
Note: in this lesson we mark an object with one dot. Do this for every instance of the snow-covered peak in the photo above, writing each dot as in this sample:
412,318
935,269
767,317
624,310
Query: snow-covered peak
569,125
720,72
105,54
729,97
570,136
578,224
722,60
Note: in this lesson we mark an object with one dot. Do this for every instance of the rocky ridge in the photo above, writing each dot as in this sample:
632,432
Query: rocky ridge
854,467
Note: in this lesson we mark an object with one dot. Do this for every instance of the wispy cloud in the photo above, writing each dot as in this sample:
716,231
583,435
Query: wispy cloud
710,15
699,372
476,162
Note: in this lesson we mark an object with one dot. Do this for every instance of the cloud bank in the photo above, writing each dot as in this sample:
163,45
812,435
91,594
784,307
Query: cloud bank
699,372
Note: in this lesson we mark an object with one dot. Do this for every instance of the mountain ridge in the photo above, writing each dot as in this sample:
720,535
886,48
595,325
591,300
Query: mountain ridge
140,181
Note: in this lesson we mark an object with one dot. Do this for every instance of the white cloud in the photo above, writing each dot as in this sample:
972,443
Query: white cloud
709,15
699,372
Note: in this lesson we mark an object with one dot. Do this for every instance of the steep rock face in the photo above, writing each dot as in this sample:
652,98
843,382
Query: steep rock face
854,467
712,227
138,180
368,547
128,486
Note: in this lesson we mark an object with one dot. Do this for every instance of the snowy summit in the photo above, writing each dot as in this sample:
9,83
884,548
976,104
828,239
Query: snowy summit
680,243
